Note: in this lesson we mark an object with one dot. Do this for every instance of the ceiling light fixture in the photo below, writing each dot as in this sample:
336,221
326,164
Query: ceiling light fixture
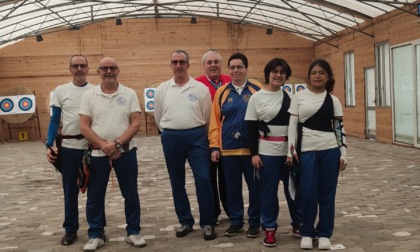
39,38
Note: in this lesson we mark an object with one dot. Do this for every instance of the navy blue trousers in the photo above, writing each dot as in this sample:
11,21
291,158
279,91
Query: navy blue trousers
234,167
126,170
192,145
318,186
274,170
71,160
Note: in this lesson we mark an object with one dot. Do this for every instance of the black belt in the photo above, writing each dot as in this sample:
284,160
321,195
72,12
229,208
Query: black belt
78,137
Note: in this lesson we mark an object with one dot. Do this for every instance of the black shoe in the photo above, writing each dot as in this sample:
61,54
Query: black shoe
209,233
253,232
183,231
68,239
233,230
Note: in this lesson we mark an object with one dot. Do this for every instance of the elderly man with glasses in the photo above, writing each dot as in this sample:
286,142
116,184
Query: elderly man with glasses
213,79
109,119
182,113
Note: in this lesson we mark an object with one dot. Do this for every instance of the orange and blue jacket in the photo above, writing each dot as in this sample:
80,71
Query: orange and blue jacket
228,131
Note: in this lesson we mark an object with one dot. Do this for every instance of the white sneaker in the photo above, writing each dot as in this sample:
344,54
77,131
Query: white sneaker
306,242
135,240
324,243
93,244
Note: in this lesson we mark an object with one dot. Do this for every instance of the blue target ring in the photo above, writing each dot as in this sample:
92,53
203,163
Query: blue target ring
25,104
6,105
287,89
150,93
151,105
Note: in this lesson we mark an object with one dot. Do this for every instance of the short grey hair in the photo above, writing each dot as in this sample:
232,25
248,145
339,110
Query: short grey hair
211,52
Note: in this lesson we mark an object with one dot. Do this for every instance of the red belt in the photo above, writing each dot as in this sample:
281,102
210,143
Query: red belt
273,138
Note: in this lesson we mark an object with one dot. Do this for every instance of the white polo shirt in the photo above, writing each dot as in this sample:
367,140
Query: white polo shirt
183,107
110,113
68,97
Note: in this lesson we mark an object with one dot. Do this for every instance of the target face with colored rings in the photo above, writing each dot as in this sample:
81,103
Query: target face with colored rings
287,89
300,88
150,93
150,105
25,104
6,105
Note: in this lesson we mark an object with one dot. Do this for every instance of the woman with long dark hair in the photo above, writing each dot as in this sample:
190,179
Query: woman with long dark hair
317,139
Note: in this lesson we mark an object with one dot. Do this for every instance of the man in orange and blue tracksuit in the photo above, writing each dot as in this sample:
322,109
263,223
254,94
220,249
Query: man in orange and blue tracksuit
228,138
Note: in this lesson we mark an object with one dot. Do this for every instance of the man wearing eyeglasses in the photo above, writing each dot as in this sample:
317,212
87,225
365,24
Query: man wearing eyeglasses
182,113
109,119
65,104
213,79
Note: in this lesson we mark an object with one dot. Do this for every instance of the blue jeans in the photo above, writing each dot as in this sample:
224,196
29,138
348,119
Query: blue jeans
192,145
234,167
318,186
71,160
126,170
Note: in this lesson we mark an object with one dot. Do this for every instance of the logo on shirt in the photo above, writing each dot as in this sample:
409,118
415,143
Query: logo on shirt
246,97
121,101
192,97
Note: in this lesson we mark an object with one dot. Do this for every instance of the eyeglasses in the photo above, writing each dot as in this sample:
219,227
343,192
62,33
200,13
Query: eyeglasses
76,66
181,62
239,67
281,72
106,68
210,62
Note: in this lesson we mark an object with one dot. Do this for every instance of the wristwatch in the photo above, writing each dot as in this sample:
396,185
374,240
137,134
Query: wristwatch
117,145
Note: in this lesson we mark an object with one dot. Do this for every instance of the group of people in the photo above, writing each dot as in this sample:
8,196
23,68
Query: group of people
226,127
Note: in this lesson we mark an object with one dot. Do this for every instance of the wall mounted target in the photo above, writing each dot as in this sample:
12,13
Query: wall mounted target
149,99
6,105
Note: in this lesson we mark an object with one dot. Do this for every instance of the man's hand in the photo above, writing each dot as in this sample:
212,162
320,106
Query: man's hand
215,155
52,155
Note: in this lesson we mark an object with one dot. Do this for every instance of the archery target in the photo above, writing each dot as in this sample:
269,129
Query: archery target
6,105
149,99
24,104
300,87
288,88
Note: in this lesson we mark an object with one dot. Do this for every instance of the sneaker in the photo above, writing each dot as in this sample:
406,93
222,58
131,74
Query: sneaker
233,230
93,244
253,232
296,232
209,233
68,238
306,243
270,239
324,243
183,230
135,240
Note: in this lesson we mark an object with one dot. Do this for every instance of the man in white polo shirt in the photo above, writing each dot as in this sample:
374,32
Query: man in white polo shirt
182,113
109,119
65,104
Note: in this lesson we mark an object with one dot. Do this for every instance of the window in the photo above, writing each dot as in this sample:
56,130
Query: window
349,79
383,77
